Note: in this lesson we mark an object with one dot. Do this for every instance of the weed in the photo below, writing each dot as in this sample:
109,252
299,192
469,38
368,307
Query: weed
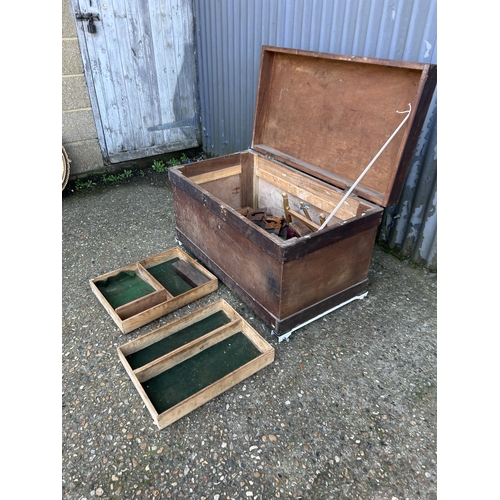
126,174
109,178
159,166
104,178
173,162
79,184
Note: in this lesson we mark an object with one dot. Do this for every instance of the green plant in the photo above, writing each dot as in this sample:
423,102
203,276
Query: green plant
109,178
79,184
173,162
159,166
126,174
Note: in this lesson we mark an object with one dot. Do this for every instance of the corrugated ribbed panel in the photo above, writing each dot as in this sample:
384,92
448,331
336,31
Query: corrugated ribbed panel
411,226
230,34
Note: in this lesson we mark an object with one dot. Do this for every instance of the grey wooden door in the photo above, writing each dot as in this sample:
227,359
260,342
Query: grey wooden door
140,69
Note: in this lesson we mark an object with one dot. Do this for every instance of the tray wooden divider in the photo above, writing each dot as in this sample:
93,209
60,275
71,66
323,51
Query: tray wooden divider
160,301
142,374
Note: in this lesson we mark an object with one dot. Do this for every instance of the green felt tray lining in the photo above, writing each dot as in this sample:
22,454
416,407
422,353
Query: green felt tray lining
176,340
123,288
127,286
189,377
169,278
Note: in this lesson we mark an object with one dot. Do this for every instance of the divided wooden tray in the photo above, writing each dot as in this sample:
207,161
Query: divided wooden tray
180,366
139,293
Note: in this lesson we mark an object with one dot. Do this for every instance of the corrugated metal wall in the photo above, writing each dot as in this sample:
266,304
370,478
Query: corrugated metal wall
230,34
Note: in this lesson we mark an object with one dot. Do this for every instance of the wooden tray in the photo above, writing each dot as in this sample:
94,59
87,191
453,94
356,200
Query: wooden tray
180,366
139,293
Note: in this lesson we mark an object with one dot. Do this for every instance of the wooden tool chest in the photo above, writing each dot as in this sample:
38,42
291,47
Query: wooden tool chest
320,120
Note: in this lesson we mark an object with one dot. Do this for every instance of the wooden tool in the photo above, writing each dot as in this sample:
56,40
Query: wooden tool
286,208
304,208
304,219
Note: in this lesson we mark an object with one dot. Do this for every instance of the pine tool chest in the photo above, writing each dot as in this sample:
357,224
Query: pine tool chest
290,224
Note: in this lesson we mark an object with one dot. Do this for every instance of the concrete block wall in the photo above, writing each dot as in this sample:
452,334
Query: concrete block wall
79,134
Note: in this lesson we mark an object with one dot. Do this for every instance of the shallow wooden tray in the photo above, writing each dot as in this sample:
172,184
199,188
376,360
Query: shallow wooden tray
180,366
139,293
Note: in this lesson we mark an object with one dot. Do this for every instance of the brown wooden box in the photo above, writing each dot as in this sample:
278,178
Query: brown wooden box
180,366
139,293
320,120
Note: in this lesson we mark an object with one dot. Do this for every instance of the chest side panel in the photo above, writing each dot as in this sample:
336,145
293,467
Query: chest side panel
248,265
315,276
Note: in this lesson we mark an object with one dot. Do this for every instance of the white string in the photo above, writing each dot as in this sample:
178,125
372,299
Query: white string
367,168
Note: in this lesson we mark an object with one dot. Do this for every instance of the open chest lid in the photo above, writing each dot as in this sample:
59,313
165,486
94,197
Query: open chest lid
329,115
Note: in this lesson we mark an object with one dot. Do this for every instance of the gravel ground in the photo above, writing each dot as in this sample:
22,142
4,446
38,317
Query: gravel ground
347,410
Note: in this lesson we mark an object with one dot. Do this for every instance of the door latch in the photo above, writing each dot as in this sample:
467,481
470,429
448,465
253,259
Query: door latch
86,16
